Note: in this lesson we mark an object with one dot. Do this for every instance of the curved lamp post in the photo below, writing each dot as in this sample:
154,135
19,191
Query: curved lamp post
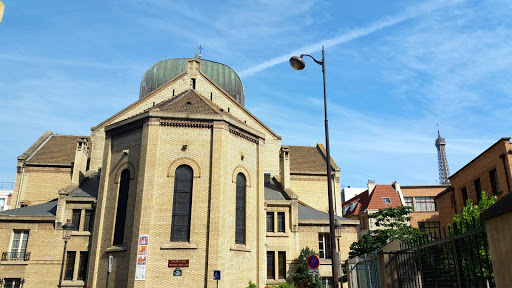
66,234
298,63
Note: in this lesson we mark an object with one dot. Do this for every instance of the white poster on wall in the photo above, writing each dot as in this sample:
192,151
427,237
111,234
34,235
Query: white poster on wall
142,257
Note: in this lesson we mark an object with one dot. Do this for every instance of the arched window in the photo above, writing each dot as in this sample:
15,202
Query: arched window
240,209
182,204
122,203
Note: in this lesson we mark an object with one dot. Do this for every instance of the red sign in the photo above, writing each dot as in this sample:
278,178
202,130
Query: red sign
177,263
313,262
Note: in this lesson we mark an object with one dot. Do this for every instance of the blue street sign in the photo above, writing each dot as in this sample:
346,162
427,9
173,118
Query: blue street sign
216,274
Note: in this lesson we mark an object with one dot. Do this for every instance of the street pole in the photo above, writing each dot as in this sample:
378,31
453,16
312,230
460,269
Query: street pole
298,63
62,264
329,185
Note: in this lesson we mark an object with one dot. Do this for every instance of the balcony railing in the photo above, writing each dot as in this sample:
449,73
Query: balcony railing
7,256
7,186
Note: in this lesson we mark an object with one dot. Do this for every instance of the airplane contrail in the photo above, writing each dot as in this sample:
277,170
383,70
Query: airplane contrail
351,35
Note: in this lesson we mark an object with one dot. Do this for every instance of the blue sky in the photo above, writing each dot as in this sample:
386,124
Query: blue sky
394,70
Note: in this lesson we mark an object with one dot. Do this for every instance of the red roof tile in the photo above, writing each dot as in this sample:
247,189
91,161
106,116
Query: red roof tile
372,201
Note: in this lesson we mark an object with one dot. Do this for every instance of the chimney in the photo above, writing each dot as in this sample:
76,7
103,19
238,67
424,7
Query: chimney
371,186
284,163
397,188
267,178
80,164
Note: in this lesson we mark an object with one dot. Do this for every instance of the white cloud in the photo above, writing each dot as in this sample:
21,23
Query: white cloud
350,35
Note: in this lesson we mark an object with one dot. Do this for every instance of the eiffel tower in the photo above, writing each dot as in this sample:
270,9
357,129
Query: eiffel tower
444,169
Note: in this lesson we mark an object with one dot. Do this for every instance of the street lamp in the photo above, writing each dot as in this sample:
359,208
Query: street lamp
298,63
66,234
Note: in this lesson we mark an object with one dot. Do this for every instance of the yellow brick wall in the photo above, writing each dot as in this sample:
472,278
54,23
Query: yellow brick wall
160,150
287,241
312,190
308,237
41,184
45,245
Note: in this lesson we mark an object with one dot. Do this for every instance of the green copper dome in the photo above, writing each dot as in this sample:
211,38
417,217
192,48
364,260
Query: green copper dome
165,70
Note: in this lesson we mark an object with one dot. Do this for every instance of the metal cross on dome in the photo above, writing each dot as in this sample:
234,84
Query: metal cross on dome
200,49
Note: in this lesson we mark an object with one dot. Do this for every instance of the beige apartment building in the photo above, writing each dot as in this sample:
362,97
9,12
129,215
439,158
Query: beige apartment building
182,183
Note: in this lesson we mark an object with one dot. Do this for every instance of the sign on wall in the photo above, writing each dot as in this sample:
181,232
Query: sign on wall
177,263
142,257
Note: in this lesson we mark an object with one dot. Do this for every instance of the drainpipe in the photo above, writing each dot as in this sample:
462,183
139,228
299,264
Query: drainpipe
21,185
503,157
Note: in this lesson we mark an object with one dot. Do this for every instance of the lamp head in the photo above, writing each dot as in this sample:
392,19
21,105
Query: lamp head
66,230
68,226
297,63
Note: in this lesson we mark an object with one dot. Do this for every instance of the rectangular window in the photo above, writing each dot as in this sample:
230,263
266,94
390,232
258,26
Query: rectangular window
89,220
324,245
495,186
326,282
270,221
280,221
431,228
478,190
408,202
12,283
386,200
270,265
70,265
425,204
362,222
281,258
464,193
77,214
19,244
82,265
2,204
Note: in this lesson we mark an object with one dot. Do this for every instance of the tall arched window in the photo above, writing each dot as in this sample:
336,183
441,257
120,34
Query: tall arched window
240,209
182,204
122,203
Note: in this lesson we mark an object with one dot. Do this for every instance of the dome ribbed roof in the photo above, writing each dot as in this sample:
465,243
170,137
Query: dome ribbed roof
165,70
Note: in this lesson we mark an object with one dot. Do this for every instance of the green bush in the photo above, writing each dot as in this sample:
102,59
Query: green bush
282,285
251,285
301,278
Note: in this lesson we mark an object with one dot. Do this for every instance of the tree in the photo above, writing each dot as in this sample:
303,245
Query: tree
301,278
470,216
393,224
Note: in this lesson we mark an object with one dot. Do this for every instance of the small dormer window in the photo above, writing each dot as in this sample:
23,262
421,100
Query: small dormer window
386,200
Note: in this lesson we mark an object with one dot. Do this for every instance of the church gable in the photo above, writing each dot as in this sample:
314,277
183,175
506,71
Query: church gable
188,101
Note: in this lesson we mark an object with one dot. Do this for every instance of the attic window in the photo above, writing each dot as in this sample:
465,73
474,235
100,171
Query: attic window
386,200
193,83
189,103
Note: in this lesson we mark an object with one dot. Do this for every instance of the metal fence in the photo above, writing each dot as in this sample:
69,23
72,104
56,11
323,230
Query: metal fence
454,257
366,272
7,186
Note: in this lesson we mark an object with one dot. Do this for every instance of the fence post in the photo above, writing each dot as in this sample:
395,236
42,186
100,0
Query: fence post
455,258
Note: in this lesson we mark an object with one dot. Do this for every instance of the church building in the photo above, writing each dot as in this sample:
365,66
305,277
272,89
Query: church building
182,188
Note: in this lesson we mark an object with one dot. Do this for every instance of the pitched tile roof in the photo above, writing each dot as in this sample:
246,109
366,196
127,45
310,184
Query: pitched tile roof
363,201
59,149
188,101
306,212
274,192
308,159
88,188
